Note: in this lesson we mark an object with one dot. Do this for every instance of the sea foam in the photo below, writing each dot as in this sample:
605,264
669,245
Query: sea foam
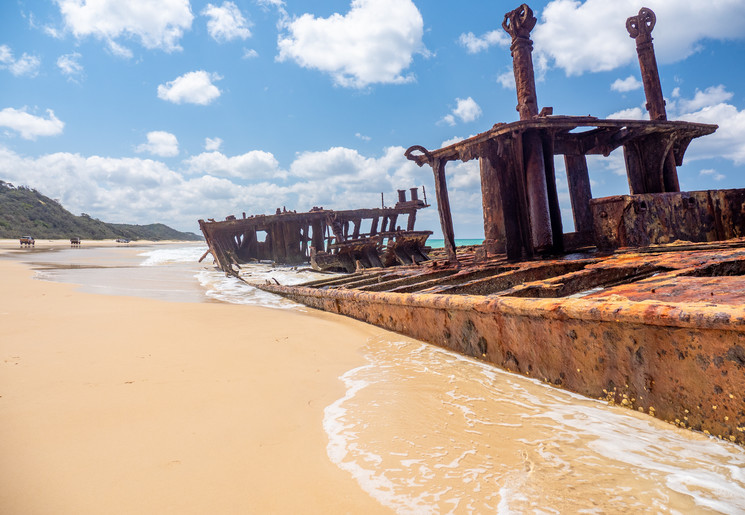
450,433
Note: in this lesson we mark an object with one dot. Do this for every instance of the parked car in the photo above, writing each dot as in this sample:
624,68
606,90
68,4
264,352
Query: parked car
122,240
75,241
27,240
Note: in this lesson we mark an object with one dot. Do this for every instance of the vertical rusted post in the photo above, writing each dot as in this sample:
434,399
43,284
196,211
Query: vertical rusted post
317,227
374,226
411,220
554,208
414,194
640,28
580,194
401,195
304,231
272,237
494,232
392,222
443,206
292,241
518,24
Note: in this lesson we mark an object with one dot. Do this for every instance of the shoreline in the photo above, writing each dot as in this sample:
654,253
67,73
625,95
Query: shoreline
124,404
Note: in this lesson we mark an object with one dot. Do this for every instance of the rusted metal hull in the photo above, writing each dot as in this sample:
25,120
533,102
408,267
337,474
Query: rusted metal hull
661,331
649,311
640,220
328,239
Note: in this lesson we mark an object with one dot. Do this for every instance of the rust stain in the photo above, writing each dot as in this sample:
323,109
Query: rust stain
643,305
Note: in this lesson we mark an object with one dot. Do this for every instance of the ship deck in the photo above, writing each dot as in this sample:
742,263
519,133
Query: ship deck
659,330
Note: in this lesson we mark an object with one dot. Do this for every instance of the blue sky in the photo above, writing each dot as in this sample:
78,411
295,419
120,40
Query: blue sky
171,111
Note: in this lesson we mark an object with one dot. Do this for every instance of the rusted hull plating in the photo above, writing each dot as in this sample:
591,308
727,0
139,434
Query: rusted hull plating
660,332
659,328
328,239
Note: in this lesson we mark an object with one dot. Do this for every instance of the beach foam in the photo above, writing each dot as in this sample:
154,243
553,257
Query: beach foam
223,288
172,255
426,430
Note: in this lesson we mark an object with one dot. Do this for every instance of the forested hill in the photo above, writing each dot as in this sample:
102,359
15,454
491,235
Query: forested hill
24,211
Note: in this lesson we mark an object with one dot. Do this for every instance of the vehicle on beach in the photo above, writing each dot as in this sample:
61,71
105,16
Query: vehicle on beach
75,241
27,241
122,240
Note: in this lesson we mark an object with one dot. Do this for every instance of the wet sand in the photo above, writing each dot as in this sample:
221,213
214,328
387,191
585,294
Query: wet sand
120,404
114,404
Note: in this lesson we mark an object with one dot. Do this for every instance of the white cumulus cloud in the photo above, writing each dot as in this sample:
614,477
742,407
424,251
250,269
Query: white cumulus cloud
213,185
211,144
155,24
633,113
710,96
226,22
466,110
712,174
630,83
160,143
507,80
591,36
727,141
475,44
25,65
191,88
69,64
30,126
255,164
373,43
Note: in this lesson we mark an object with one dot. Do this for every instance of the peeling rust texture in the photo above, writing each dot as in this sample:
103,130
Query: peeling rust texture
643,220
660,331
326,238
522,215
642,305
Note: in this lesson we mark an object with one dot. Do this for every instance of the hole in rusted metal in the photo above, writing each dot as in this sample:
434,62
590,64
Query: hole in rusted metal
504,281
411,283
724,268
583,282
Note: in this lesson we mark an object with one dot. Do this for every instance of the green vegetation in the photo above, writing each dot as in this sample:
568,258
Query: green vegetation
26,211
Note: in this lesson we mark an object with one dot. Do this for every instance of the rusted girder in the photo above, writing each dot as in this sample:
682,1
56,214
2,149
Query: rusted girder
289,237
640,28
518,24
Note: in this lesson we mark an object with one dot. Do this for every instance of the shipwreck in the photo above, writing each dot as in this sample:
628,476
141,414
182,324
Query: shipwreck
328,239
641,305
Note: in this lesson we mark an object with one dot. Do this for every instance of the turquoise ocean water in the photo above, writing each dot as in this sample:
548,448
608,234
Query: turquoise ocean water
438,243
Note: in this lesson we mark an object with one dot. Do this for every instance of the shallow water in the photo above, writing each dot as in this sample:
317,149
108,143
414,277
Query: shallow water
424,430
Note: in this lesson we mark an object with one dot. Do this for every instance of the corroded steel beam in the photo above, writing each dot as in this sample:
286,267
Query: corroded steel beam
578,180
640,28
518,24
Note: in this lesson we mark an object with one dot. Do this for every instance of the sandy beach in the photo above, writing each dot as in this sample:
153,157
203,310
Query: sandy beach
112,404
135,380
